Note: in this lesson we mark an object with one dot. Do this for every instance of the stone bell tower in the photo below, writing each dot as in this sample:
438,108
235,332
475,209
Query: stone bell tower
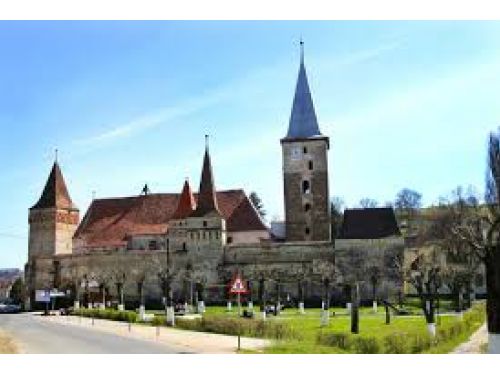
305,169
53,219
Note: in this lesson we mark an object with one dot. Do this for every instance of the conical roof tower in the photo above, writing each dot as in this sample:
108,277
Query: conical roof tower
207,198
187,203
303,122
55,193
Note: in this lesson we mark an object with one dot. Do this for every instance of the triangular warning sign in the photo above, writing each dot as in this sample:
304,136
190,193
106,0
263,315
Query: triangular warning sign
238,286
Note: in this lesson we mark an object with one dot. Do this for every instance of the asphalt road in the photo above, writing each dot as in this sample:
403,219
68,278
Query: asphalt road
35,336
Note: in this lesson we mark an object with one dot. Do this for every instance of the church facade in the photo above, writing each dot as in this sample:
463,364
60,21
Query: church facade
185,246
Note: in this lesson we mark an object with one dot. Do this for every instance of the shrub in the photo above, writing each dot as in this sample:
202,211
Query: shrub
158,321
233,326
396,343
420,342
365,345
340,340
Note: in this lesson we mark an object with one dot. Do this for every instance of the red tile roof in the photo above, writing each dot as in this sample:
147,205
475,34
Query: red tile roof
109,221
187,203
55,194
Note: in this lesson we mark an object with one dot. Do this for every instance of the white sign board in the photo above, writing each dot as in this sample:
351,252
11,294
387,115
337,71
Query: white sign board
42,296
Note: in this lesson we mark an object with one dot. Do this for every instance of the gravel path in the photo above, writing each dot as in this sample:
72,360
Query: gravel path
473,346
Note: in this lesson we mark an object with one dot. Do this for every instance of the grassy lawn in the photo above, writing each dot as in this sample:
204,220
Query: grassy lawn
292,332
372,327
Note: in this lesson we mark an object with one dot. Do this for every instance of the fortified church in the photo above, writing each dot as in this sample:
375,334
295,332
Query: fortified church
148,246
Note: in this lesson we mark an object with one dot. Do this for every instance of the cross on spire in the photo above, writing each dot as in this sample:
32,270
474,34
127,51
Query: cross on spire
206,141
55,154
301,50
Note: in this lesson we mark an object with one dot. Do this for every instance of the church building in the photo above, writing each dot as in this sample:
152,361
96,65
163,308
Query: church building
204,238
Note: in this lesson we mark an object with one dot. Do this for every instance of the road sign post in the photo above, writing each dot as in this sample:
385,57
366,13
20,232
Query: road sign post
238,287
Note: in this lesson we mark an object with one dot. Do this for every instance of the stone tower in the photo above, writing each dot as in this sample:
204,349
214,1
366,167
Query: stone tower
305,169
53,219
206,227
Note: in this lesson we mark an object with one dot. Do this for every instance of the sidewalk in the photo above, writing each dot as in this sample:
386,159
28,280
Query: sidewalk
473,346
186,341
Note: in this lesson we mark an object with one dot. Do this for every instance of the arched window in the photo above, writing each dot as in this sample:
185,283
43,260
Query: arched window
305,150
307,207
184,246
306,187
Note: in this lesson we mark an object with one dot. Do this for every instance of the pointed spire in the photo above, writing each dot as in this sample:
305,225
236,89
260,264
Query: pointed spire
207,199
55,194
303,122
187,203
145,190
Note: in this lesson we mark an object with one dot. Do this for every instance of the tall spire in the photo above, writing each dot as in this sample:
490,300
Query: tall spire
303,122
207,199
186,204
55,194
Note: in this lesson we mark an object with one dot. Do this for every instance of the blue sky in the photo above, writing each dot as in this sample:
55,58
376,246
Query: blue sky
406,104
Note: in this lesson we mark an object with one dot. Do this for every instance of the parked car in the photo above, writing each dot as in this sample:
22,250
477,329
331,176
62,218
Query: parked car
9,308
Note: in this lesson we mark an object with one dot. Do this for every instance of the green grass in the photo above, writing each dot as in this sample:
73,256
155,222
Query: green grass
372,328
292,332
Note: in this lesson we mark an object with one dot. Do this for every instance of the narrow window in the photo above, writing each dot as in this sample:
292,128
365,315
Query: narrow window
204,223
310,165
229,239
307,207
168,244
203,235
184,246
308,231
217,235
305,150
306,187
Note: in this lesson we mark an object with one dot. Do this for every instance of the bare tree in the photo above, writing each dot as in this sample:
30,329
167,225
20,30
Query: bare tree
368,203
119,277
425,276
337,213
480,230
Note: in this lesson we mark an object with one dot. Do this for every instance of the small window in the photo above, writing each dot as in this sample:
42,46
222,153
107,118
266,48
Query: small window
184,246
306,187
204,223
310,165
307,207
229,239
153,245
305,150
308,231
217,235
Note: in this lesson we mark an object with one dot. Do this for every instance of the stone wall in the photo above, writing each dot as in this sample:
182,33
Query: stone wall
280,266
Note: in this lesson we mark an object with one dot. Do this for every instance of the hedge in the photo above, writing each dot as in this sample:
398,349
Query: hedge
404,342
124,316
246,327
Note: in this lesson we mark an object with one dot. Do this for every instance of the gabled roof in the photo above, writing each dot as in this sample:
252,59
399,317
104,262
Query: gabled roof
369,223
108,222
303,122
55,193
207,199
186,204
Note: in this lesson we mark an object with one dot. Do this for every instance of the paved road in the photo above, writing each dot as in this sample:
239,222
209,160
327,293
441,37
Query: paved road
33,335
